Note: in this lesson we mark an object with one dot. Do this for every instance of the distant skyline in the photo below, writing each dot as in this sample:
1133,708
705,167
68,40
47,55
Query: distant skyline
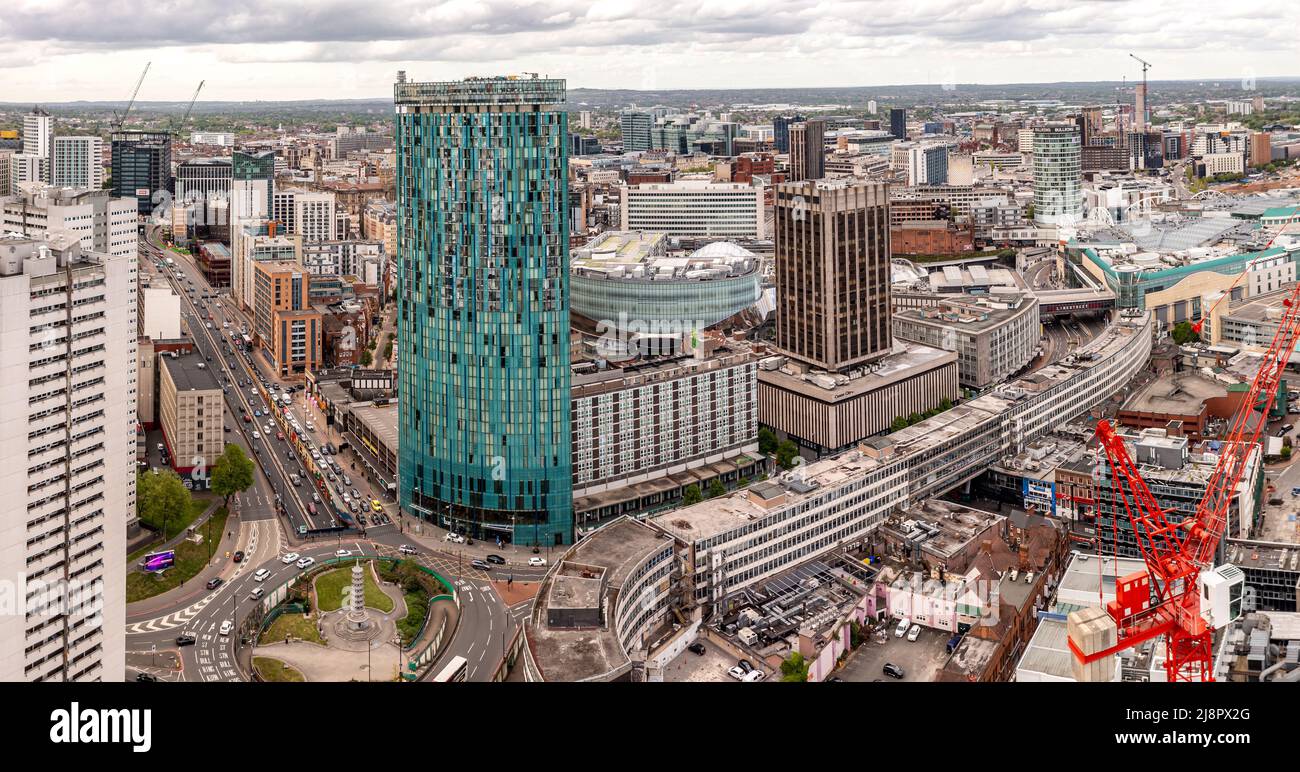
67,50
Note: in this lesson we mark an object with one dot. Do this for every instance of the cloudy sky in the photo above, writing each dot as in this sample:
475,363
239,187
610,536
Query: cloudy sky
60,50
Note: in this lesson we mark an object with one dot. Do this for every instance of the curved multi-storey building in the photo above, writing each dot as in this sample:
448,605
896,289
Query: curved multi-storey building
483,315
627,278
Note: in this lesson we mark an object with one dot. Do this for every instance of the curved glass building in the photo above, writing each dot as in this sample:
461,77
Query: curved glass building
626,280
483,310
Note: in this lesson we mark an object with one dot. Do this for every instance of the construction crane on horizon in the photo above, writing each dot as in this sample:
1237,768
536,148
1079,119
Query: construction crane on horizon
1141,114
119,120
186,117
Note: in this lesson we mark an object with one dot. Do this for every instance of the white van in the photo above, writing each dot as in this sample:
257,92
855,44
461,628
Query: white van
901,630
261,575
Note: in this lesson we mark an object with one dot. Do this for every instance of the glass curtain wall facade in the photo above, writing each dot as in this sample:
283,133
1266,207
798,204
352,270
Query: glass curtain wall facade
483,323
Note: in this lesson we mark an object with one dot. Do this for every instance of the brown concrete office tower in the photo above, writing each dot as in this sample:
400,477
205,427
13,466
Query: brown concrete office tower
832,272
808,150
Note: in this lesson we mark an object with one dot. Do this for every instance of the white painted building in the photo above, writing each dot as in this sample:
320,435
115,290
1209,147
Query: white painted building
219,138
78,162
101,222
311,215
724,210
25,167
38,134
68,423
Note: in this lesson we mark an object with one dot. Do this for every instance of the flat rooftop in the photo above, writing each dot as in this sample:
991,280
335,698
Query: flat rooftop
907,359
1183,393
189,372
381,420
577,654
969,313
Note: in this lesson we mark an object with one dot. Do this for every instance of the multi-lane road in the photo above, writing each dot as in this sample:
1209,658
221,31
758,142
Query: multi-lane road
267,533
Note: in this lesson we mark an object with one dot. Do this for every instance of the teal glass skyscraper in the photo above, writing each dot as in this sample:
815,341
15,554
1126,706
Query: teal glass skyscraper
483,307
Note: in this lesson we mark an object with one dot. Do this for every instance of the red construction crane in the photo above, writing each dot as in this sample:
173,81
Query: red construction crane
1192,596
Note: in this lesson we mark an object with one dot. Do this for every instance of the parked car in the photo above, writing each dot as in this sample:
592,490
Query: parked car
697,648
737,672
914,633
214,583
903,625
754,675
455,538
535,561
892,670
745,665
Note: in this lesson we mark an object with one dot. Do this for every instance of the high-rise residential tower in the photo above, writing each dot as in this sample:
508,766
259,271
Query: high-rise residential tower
38,138
1058,191
484,443
77,162
832,272
808,151
68,400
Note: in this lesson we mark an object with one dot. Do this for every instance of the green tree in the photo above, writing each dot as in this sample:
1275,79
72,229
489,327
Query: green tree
786,453
1286,451
1183,333
795,668
716,488
692,495
232,473
366,358
898,425
159,498
767,441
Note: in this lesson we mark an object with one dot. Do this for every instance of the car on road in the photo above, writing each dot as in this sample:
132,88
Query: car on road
697,648
239,556
892,670
536,561
214,583
407,549
481,565
257,593
375,505
146,677
914,633
497,559
226,627
342,553
289,558
247,419
261,575
279,435
186,639
307,561
257,435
